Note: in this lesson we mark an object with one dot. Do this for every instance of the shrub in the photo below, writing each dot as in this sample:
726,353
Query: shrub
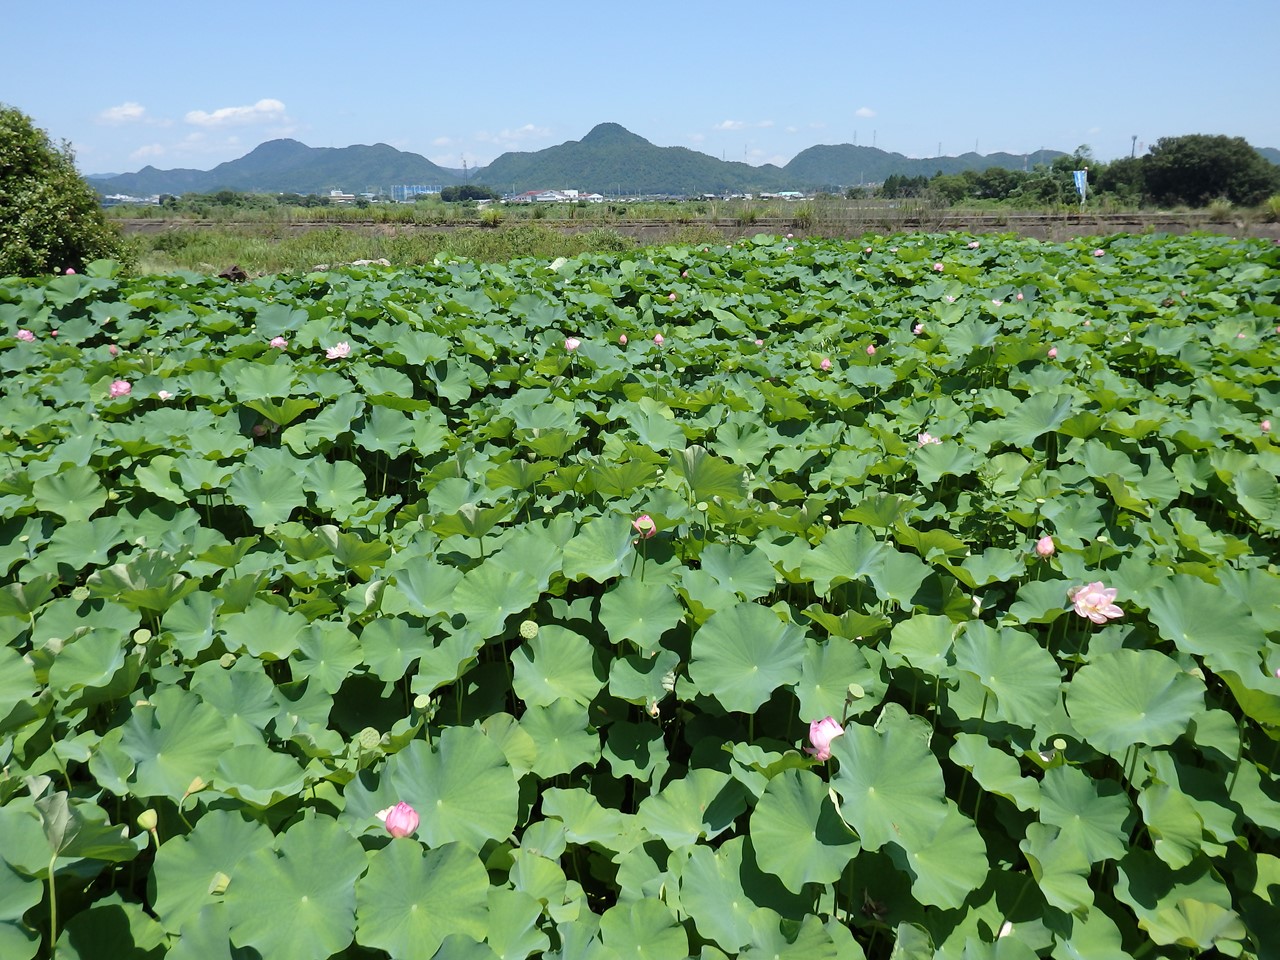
49,217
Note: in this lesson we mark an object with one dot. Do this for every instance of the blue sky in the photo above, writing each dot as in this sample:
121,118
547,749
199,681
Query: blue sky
177,84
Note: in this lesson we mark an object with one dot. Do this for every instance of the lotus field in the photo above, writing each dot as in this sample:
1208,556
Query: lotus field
916,596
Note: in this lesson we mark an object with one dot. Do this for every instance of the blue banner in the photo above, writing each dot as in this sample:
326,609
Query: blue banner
1082,180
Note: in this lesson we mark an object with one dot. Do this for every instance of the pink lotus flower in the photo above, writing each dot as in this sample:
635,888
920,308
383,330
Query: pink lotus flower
868,250
998,303
25,335
622,339
1239,336
1095,601
821,733
924,439
164,394
671,296
825,364
657,338
119,388
759,342
338,351
1018,297
644,526
973,245
893,249
1053,353
53,333
951,299
789,236
1099,252
938,267
1265,426
1045,546
280,343
684,273
71,270
113,349
789,249
400,820
572,343
871,350
918,329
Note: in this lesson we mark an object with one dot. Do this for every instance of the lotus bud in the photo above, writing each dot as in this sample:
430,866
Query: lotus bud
400,820
821,733
148,819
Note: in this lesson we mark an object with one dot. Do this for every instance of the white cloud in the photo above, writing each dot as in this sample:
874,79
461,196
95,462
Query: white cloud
149,151
765,123
442,142
264,111
697,137
128,112
730,125
866,112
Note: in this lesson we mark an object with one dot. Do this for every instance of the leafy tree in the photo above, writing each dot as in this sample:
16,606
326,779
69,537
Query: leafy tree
50,219
468,191
1198,168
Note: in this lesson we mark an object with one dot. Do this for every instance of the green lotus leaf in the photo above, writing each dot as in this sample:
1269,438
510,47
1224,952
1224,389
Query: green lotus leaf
1092,815
839,678
257,775
797,834
488,594
742,654
935,461
749,574
556,664
703,803
1060,868
298,901
643,679
1021,677
889,783
423,589
1037,415
1199,619
269,496
243,695
111,927
563,735
1177,831
995,770
18,894
463,786
186,866
640,612
412,899
949,867
338,488
845,554
707,476
172,740
75,494
1190,907
645,930
512,931
1132,696
602,550
263,630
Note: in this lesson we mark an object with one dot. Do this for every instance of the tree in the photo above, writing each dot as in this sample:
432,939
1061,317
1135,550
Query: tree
467,192
50,219
1199,168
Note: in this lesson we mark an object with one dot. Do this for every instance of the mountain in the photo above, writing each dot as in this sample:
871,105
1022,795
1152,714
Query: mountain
610,160
846,165
287,166
1271,153
613,160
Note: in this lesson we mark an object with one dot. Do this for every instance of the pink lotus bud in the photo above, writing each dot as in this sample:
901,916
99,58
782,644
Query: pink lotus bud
1045,546
71,270
1018,297
684,273
973,245
918,329
1265,426
572,343
280,343
1053,353
1099,252
826,363
671,296
657,338
622,339
120,388
867,250
871,350
759,342
938,267
113,349
25,335
821,733
789,236
400,820
53,333
644,526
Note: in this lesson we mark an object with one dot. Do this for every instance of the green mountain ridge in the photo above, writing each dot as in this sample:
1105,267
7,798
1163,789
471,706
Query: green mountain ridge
610,160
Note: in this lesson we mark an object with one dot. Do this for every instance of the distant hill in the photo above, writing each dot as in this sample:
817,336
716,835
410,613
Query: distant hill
847,165
1271,153
610,160
287,166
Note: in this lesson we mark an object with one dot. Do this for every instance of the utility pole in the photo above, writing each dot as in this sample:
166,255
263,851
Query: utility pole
1133,148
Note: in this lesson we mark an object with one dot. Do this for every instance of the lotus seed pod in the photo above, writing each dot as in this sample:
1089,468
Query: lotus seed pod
227,660
141,635
80,594
421,702
1059,743
368,739
218,885
148,819
528,629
